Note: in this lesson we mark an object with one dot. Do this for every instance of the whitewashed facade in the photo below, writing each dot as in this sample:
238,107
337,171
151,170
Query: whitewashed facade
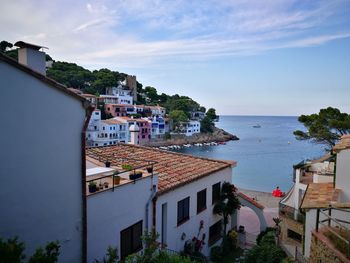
41,167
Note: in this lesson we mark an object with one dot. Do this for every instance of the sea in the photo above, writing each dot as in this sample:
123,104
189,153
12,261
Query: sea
265,156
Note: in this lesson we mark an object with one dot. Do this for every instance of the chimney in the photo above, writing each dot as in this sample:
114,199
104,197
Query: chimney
31,56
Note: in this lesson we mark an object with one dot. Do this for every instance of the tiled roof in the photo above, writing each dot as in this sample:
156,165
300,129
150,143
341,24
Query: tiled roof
112,121
343,144
320,195
174,169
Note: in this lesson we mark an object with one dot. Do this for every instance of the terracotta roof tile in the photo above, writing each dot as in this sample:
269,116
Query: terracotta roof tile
320,195
343,144
174,169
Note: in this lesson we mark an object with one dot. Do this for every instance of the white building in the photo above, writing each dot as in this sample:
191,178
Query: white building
105,132
42,169
121,92
316,171
328,200
190,128
177,200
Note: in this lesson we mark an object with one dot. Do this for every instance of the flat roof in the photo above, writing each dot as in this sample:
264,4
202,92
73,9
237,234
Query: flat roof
174,169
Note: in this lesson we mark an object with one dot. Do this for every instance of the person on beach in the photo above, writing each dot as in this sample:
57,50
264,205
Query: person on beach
277,192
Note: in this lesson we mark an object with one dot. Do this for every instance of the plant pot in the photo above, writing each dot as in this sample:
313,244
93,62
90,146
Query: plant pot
106,184
116,180
134,176
92,188
149,169
108,164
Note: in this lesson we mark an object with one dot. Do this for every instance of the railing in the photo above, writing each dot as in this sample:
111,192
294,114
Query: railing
291,213
146,164
339,234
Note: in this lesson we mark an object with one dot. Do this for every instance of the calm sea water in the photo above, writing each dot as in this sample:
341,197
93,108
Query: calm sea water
265,155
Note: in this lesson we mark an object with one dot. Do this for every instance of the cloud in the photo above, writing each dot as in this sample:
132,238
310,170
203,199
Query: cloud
137,33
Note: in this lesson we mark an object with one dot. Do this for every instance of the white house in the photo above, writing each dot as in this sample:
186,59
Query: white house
42,168
177,200
105,132
328,200
157,126
121,92
190,128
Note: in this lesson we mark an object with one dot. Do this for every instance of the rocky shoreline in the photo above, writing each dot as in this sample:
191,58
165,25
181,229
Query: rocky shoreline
219,135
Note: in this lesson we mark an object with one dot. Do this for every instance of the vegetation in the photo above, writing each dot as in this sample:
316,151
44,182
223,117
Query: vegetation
151,253
227,204
266,251
207,124
326,127
96,82
111,257
12,251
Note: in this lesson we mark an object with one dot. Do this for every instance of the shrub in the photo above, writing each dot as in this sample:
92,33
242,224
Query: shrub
216,254
127,167
11,251
49,255
263,233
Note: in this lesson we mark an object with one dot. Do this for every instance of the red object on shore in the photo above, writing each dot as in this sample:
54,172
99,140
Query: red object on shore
277,192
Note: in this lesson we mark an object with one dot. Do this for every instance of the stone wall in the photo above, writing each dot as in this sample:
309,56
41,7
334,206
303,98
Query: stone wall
322,250
293,225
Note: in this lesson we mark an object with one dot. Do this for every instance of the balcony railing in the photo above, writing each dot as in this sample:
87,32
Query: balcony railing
291,213
336,229
109,182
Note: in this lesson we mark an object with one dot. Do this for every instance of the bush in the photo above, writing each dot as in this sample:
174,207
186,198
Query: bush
49,255
216,254
11,251
263,233
265,253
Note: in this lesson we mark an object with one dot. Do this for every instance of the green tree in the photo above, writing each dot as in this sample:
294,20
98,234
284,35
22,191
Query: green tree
4,45
207,125
211,113
227,204
111,257
326,127
178,116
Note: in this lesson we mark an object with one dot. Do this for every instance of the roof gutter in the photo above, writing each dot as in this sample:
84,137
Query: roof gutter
89,109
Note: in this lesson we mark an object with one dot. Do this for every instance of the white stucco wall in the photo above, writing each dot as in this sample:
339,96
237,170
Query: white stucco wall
110,212
342,178
190,227
40,164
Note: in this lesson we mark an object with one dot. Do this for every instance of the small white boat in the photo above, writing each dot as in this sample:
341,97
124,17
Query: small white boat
257,126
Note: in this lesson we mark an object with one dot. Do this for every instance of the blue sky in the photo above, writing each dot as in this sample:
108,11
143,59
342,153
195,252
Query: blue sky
241,57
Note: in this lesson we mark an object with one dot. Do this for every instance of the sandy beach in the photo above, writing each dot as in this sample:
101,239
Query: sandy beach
249,219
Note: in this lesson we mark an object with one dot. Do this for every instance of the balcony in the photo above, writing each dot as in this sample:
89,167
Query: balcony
291,213
118,176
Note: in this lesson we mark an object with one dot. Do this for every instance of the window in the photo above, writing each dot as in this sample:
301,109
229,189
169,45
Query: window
103,128
215,194
183,210
201,200
130,240
215,232
294,235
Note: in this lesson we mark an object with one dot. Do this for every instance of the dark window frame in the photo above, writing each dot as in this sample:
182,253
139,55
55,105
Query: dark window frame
132,248
215,195
217,235
201,200
183,210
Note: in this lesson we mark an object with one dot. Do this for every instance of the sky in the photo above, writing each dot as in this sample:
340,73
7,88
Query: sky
271,57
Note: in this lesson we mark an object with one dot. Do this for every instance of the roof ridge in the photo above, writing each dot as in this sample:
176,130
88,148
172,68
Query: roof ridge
174,153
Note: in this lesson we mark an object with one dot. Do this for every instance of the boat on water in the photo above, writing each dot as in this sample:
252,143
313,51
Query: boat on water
257,126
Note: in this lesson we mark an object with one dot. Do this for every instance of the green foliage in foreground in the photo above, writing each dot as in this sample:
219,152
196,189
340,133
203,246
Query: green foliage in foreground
326,127
12,251
267,251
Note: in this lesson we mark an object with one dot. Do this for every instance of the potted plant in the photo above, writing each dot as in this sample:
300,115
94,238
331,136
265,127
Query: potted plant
106,184
108,164
116,179
150,169
92,187
127,167
135,175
